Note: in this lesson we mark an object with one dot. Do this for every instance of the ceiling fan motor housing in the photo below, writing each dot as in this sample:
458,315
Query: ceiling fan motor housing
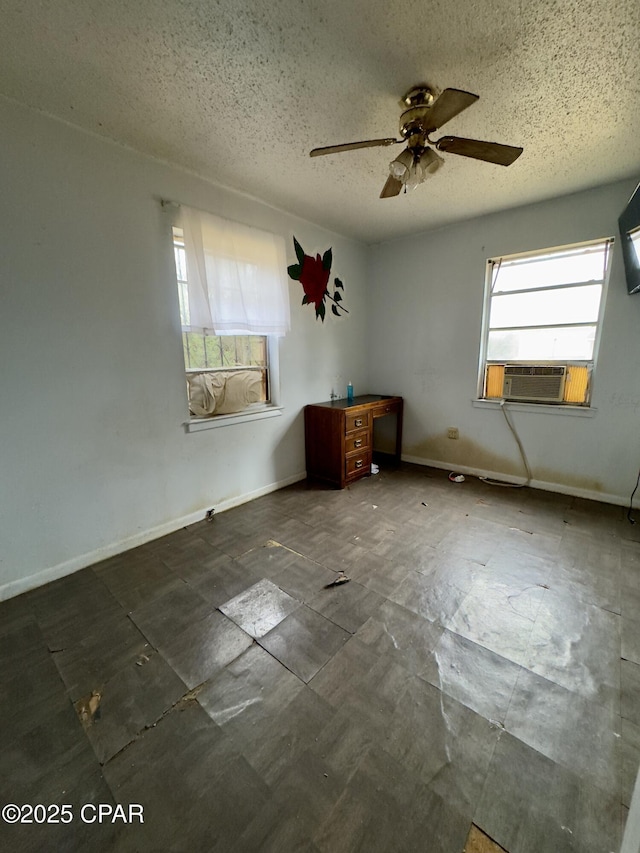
417,96
413,121
419,101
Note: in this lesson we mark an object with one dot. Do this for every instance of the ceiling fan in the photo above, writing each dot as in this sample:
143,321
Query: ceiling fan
422,114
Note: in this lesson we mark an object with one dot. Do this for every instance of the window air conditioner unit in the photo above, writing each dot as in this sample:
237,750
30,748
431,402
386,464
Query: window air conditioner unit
540,383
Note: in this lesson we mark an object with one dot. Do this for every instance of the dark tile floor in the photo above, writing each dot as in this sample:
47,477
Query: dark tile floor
483,665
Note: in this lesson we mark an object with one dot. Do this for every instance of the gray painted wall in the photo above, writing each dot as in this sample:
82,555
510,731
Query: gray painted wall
425,326
93,451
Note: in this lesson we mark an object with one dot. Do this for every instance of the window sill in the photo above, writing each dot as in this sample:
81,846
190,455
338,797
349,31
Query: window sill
538,408
199,424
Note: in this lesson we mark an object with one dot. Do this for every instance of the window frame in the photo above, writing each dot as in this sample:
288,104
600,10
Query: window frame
591,364
271,407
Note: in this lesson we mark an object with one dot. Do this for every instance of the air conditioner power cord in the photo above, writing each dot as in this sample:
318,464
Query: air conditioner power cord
630,518
523,455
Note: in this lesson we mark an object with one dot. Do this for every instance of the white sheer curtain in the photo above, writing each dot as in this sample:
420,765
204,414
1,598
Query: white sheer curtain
237,276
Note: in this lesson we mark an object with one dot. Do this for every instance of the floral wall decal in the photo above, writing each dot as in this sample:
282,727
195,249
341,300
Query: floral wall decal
314,274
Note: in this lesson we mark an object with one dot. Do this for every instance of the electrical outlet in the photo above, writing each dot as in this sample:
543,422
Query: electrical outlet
453,432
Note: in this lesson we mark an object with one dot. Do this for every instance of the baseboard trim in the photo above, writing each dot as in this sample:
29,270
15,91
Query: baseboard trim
558,488
16,587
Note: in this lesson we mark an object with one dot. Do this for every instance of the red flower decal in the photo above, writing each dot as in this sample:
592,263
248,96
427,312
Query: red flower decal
313,274
314,279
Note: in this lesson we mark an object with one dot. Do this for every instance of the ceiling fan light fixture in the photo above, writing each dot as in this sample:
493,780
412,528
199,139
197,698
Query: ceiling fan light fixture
415,177
422,167
430,162
401,166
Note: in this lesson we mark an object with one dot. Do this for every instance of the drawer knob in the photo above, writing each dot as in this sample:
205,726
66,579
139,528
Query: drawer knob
358,421
357,443
359,463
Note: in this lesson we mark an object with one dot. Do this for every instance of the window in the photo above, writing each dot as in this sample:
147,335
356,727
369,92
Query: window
233,305
542,320
206,352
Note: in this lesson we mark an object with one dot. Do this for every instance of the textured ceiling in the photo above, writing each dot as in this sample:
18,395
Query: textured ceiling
240,92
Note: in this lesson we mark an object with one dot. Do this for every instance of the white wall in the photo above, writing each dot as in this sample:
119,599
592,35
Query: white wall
427,294
93,453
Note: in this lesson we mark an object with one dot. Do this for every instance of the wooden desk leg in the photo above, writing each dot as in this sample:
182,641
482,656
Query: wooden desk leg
399,435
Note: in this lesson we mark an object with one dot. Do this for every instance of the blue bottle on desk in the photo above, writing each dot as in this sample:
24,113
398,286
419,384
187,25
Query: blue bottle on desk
349,393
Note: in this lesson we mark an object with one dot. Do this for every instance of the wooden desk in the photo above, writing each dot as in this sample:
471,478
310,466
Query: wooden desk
339,436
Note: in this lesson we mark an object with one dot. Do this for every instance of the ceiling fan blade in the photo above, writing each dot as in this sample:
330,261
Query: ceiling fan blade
491,152
449,104
392,187
351,146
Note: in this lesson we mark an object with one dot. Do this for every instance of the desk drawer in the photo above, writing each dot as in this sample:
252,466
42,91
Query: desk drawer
357,441
385,409
358,464
357,420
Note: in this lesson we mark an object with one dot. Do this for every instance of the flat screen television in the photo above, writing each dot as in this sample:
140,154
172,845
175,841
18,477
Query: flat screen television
629,223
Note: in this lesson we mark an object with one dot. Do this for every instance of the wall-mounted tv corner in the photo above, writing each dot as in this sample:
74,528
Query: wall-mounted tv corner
629,223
